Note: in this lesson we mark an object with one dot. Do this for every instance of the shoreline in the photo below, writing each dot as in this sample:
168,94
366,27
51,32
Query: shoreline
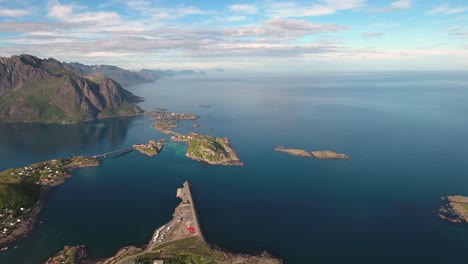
25,227
72,123
179,238
29,219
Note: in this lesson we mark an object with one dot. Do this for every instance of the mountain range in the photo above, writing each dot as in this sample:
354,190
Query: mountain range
126,77
46,90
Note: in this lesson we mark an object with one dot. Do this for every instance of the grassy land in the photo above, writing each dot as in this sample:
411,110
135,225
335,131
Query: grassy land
188,250
152,148
164,125
20,187
207,148
464,206
16,196
69,255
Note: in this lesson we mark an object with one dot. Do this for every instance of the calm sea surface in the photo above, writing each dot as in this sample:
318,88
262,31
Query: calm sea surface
406,134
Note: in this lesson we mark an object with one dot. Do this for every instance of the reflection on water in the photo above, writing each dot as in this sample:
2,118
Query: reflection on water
32,139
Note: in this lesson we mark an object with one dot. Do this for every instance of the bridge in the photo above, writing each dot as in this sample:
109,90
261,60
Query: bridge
113,154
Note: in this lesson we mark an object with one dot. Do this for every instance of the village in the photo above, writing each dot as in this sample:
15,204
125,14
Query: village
163,115
20,191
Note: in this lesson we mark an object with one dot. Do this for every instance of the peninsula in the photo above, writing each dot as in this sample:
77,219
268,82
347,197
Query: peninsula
455,209
209,149
325,154
178,241
22,193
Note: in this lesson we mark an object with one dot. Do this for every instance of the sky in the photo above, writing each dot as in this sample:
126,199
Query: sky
264,35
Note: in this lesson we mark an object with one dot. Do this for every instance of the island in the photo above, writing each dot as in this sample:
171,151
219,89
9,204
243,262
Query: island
178,241
22,192
165,125
455,209
152,148
209,149
163,115
323,154
327,154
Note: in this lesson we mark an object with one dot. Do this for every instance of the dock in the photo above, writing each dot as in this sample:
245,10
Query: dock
185,194
184,223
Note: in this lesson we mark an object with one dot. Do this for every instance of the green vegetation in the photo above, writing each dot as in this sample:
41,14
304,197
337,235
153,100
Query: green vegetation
20,187
164,125
50,93
125,108
188,250
192,250
69,255
152,148
464,206
207,148
16,196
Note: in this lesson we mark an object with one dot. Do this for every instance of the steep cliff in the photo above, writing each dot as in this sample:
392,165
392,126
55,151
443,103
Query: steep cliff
43,90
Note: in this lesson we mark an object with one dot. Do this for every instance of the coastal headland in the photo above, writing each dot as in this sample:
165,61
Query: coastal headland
322,154
455,209
22,193
178,241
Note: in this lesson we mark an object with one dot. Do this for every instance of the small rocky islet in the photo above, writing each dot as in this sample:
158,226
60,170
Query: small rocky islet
152,148
454,209
322,154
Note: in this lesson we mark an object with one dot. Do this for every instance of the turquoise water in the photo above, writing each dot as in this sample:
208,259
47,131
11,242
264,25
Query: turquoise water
405,133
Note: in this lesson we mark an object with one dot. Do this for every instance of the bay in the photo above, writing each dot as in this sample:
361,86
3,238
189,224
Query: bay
405,133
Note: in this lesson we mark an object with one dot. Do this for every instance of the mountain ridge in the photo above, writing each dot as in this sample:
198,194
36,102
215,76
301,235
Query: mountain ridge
46,90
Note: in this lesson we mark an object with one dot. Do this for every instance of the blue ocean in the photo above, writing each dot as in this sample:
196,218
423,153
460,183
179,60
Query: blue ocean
406,134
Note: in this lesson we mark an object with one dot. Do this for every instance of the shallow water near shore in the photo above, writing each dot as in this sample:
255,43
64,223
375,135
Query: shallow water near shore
405,134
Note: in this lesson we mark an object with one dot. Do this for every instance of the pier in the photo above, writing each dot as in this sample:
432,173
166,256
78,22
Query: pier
184,193
184,223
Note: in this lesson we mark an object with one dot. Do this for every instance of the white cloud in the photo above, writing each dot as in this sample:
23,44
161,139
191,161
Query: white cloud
59,11
140,5
5,12
325,7
174,13
235,18
68,13
283,29
397,5
447,10
372,34
458,31
243,8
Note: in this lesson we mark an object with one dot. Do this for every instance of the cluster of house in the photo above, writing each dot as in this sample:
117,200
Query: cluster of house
162,115
180,137
46,172
9,220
